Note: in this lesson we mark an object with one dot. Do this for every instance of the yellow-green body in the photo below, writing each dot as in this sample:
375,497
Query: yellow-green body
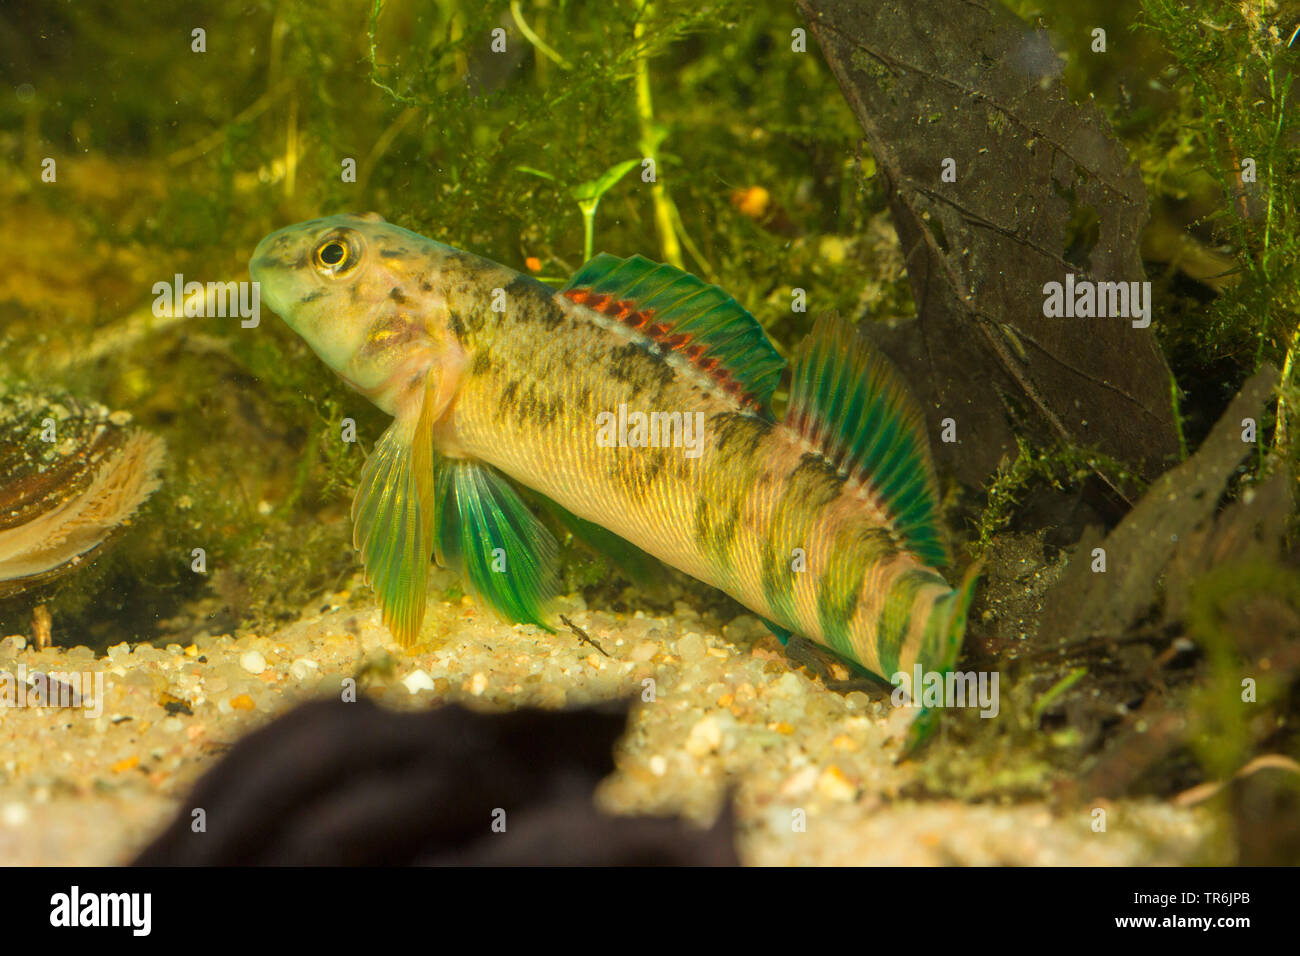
491,366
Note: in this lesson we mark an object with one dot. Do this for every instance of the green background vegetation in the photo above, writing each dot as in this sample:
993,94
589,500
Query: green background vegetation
171,161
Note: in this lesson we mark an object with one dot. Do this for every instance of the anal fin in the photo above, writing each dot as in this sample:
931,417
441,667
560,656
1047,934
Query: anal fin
639,568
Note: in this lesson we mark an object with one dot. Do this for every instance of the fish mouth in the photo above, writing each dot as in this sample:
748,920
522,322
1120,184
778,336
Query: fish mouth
275,264
274,252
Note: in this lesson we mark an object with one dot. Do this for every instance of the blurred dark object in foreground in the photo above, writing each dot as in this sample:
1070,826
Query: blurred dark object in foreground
335,783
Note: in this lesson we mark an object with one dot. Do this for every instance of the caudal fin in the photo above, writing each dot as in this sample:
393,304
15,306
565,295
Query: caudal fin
944,634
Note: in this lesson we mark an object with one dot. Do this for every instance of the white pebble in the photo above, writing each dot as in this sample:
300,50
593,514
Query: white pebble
417,681
13,644
704,738
302,668
658,765
800,782
253,662
14,814
788,685
478,683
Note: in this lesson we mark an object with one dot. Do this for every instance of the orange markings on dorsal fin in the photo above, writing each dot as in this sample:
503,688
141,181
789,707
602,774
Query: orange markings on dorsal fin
625,311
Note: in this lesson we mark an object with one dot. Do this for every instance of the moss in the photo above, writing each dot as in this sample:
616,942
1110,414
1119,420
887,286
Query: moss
1241,702
1061,469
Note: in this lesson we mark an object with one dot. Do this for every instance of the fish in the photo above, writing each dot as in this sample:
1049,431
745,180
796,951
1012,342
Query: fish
637,402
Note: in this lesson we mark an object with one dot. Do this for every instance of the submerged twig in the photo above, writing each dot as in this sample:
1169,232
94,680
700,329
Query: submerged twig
582,635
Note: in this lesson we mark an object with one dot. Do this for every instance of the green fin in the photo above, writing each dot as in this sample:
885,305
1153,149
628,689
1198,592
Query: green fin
393,514
640,568
848,401
781,633
686,315
486,532
391,530
942,648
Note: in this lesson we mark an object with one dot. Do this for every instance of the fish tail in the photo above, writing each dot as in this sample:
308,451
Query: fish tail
879,603
944,632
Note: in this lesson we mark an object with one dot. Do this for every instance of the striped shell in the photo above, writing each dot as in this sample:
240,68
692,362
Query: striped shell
71,475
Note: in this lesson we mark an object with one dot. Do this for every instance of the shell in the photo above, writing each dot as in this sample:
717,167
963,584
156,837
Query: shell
62,499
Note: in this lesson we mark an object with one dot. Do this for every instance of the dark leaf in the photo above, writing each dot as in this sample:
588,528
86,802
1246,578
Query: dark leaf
1086,604
1042,189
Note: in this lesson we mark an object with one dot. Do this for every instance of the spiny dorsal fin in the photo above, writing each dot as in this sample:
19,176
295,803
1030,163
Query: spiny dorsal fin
686,315
848,401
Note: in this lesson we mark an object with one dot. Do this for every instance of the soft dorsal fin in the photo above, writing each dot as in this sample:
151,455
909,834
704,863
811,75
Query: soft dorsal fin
847,400
685,315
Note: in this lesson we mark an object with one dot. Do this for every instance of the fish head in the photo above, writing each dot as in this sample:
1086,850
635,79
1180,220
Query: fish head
366,296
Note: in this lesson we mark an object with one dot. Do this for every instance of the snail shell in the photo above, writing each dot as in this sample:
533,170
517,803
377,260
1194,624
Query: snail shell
71,475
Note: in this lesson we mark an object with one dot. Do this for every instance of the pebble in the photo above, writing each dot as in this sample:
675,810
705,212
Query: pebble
13,644
302,668
692,647
253,662
834,785
478,684
644,651
705,737
800,782
417,681
14,814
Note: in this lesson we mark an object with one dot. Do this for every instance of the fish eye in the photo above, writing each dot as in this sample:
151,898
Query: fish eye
334,256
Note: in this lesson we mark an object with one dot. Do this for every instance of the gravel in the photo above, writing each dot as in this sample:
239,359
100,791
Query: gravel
814,775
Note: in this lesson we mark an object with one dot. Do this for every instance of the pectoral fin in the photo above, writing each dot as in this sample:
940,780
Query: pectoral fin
389,529
393,515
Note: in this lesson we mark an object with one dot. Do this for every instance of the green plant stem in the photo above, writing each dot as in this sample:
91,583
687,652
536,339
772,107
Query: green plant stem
534,39
669,246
